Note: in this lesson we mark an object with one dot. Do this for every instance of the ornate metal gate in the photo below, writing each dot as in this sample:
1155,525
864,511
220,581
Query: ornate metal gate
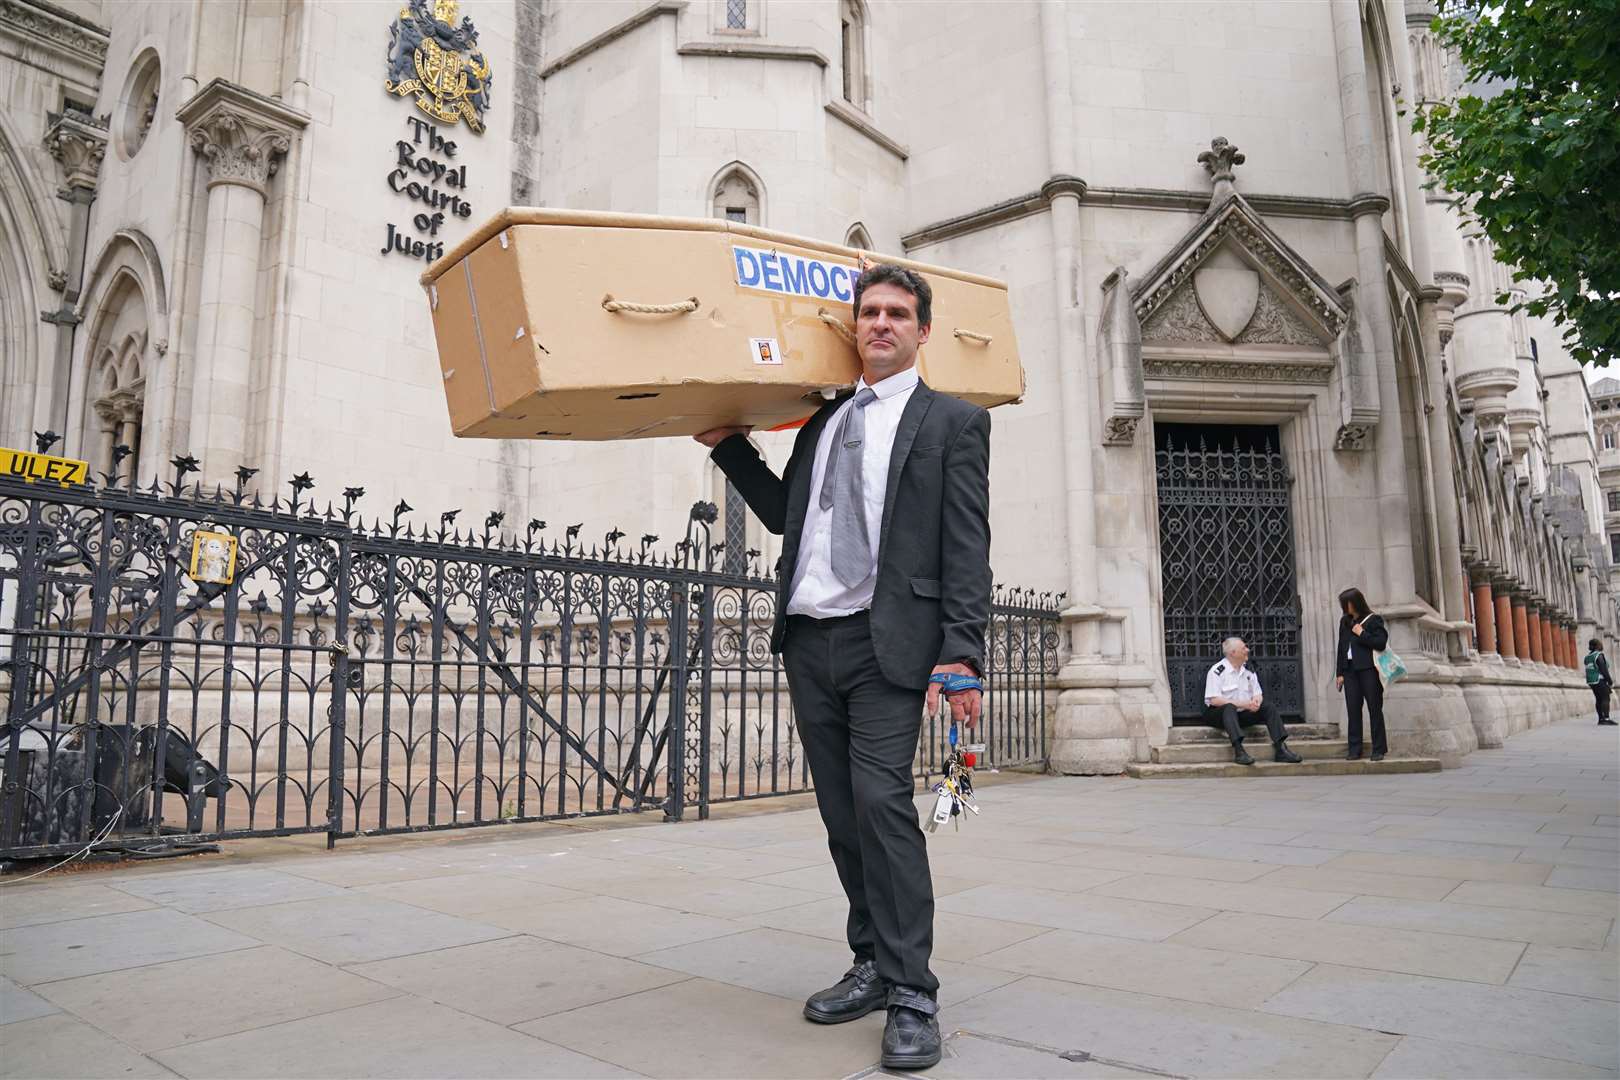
1226,541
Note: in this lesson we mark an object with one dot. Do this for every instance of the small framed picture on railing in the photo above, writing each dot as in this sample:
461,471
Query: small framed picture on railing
213,557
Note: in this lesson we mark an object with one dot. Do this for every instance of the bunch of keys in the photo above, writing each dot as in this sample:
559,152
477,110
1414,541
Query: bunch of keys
955,791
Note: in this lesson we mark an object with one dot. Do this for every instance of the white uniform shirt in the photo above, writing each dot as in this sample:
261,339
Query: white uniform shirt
816,591
1236,684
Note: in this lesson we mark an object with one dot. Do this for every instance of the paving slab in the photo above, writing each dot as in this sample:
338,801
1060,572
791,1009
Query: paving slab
1180,1037
701,1028
354,867
203,998
1504,1018
1042,875
403,1036
1504,923
1424,866
64,950
1537,898
30,905
516,979
354,928
470,894
1262,899
222,889
1584,877
65,1047
1433,1059
1137,919
1589,973
1179,865
610,925
1165,969
969,1055
1360,882
1273,854
1410,951
17,1003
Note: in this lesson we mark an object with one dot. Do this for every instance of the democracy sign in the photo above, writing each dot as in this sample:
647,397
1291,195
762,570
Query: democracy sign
794,275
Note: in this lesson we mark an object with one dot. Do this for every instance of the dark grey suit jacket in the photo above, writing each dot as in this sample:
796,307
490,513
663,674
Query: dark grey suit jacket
932,598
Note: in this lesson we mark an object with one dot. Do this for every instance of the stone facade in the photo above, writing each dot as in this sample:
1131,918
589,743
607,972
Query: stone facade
1208,213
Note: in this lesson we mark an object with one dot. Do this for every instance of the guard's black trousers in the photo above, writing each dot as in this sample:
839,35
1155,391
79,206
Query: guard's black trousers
1600,695
1362,686
1234,719
860,736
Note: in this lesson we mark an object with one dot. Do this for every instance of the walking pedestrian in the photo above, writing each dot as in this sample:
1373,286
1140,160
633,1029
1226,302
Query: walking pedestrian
1599,679
1361,634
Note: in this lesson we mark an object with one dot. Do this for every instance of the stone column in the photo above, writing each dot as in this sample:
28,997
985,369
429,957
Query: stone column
241,137
1532,629
1549,654
78,142
1485,617
1506,643
1521,630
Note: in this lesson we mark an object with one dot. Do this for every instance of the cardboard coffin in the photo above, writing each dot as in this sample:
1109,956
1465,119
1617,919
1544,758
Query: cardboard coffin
558,324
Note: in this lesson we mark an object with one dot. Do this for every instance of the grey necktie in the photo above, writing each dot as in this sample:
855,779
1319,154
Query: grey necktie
843,491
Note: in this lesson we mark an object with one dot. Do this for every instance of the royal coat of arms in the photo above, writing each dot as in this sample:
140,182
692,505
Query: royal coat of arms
429,55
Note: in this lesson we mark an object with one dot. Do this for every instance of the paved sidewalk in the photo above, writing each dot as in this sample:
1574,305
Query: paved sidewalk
1450,924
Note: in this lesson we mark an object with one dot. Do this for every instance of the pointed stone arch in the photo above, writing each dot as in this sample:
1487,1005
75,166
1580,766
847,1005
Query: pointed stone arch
33,262
125,314
736,193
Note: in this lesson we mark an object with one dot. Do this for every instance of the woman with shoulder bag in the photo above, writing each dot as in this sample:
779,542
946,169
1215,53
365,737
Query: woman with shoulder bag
1598,678
1361,634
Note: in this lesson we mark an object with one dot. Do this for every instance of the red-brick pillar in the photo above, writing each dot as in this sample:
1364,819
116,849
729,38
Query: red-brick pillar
1484,617
1532,623
1521,630
1575,652
1506,646
1548,650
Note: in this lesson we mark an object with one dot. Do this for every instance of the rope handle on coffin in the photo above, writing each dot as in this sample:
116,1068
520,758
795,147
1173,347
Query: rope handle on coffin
681,307
969,335
837,325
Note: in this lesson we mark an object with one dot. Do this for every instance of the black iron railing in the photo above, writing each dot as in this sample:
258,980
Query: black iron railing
362,677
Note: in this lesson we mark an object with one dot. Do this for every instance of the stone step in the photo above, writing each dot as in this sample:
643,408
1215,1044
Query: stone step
1197,733
1261,767
1196,752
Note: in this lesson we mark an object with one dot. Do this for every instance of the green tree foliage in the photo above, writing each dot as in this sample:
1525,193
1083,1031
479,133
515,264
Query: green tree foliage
1535,156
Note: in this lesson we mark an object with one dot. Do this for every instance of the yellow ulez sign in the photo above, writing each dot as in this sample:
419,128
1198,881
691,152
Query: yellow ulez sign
29,466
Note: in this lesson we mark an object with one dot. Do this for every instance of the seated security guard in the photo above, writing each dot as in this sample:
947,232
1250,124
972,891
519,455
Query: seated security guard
1232,699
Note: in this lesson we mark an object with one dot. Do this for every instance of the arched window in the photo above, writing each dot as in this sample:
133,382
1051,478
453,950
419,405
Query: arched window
737,195
858,238
1608,438
852,38
114,386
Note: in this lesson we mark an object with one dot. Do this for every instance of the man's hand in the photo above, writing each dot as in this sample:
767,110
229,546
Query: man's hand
1253,705
964,704
715,436
1338,682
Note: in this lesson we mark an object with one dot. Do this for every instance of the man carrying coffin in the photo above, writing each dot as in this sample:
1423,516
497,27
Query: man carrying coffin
883,601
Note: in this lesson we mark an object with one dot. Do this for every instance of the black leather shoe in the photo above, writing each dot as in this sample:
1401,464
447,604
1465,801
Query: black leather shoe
911,1037
1284,754
1241,756
1606,723
1378,755
859,992
1353,755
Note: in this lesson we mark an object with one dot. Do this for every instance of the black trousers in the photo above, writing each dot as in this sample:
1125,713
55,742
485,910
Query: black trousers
1233,720
1360,686
1600,692
860,737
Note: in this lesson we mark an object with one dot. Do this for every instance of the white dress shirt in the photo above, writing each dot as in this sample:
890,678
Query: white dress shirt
816,591
1238,685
